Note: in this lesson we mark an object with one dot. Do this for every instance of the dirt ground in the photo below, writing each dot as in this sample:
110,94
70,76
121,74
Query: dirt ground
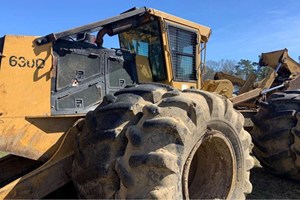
268,186
265,186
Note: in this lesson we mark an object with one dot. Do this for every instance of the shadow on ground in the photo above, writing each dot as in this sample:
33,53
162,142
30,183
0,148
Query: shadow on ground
269,186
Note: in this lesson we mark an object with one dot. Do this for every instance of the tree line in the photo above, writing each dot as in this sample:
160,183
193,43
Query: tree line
241,69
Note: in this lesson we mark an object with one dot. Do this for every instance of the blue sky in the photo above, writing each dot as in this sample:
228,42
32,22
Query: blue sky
241,29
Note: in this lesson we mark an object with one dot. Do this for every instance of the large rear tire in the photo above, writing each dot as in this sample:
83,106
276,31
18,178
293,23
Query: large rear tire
182,145
276,134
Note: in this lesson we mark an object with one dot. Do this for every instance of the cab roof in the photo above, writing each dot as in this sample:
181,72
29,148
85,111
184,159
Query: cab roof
128,16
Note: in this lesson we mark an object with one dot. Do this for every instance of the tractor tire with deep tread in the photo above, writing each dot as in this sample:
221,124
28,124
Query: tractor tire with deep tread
102,140
276,134
189,144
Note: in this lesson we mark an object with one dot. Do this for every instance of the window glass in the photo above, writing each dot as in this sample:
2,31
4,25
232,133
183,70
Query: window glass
146,41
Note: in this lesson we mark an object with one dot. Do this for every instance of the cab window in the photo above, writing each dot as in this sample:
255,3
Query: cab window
145,42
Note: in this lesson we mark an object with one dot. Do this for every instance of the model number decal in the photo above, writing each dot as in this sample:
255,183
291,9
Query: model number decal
21,61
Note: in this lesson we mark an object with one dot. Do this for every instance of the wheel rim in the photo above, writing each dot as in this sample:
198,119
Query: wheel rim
209,171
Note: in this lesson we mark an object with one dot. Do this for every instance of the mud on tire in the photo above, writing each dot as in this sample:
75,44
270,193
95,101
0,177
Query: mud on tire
276,134
102,139
187,144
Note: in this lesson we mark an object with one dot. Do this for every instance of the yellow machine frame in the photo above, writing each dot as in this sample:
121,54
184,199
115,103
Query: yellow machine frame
27,127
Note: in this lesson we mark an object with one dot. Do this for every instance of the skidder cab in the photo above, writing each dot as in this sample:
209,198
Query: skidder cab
151,46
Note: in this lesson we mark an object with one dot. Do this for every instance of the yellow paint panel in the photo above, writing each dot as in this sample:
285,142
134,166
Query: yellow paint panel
183,85
25,77
205,31
25,85
223,87
34,138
